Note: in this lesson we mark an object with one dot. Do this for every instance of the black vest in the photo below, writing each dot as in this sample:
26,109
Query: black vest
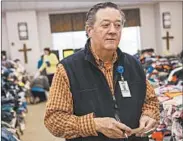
91,92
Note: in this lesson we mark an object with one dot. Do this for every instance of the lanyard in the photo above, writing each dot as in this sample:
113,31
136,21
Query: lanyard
120,70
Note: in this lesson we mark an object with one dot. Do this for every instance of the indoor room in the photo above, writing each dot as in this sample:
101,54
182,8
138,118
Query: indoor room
92,71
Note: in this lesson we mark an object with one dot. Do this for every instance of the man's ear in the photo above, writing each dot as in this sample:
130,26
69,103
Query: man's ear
89,31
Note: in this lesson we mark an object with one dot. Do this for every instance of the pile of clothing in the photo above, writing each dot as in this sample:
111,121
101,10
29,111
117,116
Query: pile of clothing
170,97
166,76
14,88
159,68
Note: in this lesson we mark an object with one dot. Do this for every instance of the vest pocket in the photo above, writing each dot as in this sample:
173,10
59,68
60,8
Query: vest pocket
86,101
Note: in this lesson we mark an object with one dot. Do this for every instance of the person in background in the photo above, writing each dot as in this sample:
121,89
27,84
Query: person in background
50,62
39,88
40,62
87,100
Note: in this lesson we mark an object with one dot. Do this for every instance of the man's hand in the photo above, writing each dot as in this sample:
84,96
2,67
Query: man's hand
146,124
111,128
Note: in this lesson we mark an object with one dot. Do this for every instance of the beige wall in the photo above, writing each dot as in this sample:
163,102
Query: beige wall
175,9
5,44
44,30
12,19
157,29
147,31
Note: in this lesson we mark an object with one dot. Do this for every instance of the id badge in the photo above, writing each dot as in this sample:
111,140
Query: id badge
125,91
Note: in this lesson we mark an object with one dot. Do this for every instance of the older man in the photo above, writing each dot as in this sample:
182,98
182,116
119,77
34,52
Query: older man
87,100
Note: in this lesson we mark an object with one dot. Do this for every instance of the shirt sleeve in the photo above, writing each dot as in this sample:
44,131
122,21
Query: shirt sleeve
151,104
59,118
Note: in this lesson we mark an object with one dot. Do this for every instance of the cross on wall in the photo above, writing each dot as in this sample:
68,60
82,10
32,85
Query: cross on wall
25,50
167,38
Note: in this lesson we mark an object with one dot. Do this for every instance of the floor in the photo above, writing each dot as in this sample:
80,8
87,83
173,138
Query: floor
35,129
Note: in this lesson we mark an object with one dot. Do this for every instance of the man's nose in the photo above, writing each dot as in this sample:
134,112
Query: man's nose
112,29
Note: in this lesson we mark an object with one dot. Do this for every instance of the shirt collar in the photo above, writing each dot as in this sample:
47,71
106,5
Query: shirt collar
100,62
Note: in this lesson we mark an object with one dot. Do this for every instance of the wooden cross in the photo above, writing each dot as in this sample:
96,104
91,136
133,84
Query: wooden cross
167,37
25,50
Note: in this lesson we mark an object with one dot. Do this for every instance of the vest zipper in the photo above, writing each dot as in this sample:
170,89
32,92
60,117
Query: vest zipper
116,108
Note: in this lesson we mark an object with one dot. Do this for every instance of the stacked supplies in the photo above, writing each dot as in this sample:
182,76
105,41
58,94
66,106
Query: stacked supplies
165,73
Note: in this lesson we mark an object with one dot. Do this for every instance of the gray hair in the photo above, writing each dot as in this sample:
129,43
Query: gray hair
90,16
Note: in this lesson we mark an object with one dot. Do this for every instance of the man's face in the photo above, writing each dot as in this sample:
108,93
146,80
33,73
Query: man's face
106,32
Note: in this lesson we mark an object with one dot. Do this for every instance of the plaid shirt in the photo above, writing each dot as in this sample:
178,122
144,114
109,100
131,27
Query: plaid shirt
59,118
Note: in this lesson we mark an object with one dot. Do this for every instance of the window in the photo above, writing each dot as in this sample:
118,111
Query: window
68,40
130,40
